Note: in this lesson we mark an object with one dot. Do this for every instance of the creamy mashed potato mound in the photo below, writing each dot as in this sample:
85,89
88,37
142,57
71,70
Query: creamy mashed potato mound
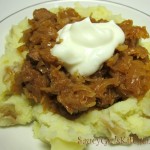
122,119
13,109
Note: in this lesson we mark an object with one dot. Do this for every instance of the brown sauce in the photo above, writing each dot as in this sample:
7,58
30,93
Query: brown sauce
43,79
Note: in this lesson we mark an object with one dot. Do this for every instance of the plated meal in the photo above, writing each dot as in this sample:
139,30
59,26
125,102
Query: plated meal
77,74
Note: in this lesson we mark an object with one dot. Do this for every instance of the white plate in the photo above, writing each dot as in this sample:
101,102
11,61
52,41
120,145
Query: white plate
21,138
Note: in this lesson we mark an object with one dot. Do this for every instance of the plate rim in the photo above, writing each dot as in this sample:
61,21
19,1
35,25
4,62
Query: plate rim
64,1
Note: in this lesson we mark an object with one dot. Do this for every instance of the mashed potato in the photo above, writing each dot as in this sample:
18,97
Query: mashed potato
13,109
121,120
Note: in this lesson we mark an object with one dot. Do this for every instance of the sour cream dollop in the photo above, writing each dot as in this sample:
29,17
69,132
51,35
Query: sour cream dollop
86,46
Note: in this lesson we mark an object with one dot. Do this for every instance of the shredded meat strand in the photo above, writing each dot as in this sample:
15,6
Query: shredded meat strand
44,80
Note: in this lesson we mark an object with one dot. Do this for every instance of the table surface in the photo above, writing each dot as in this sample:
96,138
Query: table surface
8,7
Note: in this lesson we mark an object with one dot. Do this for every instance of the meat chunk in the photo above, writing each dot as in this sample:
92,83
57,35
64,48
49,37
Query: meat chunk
43,78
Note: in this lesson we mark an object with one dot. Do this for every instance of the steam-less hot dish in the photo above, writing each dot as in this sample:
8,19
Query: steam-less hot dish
77,73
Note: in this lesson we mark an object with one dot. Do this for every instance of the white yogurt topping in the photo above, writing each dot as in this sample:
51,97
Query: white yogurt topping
86,45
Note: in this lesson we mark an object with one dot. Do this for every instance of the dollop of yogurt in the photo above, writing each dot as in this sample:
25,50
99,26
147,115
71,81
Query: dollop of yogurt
86,46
